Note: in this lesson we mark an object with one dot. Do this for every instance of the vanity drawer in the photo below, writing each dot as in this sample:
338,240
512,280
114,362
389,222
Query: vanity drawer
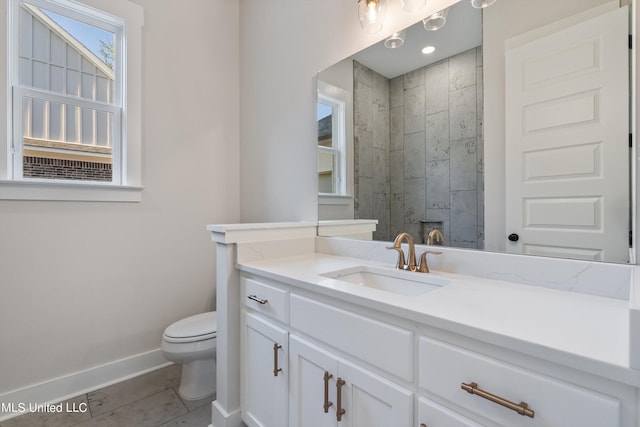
382,345
443,369
266,299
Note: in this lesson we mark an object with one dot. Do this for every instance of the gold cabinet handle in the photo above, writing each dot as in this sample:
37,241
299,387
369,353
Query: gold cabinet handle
522,408
327,404
339,410
423,425
276,347
258,300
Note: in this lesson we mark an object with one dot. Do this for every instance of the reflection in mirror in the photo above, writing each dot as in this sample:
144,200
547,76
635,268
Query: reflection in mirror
419,145
331,140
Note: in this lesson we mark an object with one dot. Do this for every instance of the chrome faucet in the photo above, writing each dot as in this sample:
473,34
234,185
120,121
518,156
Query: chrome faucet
412,252
436,235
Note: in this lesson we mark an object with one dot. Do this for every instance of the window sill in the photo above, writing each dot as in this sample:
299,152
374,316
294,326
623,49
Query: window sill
68,192
334,199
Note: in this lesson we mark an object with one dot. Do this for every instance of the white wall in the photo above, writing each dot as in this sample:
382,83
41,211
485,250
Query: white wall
283,44
83,284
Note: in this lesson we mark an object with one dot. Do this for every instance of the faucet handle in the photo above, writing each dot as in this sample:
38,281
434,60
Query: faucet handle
423,267
401,262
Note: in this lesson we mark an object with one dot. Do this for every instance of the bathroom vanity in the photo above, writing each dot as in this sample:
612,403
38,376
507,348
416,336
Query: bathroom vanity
331,334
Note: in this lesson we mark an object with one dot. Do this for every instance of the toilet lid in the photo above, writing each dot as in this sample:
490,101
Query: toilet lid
201,326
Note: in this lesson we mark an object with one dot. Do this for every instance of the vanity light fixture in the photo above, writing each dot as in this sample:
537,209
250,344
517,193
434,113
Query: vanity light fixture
428,50
371,15
395,40
481,4
436,21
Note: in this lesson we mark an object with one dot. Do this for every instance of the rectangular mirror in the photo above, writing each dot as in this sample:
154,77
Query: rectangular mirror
512,135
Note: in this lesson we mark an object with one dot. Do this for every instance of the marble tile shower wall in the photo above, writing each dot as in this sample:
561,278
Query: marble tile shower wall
430,167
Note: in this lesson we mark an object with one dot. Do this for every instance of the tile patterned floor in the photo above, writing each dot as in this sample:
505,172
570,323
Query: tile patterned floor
150,400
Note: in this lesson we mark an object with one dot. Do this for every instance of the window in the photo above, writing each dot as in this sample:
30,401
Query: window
331,144
67,123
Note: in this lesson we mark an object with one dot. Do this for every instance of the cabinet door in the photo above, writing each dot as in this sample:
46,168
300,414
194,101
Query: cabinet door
264,353
364,398
372,401
430,414
312,371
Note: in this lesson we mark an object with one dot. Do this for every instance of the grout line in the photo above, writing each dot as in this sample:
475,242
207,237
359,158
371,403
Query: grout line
180,399
86,396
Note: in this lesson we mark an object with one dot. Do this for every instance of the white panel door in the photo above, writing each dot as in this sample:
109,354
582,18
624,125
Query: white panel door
264,352
567,126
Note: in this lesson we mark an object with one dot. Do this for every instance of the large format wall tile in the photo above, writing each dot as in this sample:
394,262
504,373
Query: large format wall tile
437,136
423,133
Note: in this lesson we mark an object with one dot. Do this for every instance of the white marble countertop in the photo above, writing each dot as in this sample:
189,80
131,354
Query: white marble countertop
585,332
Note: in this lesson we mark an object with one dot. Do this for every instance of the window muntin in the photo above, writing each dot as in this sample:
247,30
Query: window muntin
67,93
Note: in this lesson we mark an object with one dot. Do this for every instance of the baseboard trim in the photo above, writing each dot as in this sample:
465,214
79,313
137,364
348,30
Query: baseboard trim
77,383
221,418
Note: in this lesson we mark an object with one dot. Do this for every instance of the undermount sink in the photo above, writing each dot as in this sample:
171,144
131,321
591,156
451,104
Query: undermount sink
389,280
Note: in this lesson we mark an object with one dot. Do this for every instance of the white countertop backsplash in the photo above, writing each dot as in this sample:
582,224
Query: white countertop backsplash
594,278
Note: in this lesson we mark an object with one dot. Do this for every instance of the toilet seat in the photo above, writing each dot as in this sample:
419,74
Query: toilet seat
194,328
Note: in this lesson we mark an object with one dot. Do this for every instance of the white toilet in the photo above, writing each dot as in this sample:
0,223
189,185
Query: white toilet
192,342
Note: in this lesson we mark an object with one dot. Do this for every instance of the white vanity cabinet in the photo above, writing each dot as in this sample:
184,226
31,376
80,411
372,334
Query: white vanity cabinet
312,360
326,390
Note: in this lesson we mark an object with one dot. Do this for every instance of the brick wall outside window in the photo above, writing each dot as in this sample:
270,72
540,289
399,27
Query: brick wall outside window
40,167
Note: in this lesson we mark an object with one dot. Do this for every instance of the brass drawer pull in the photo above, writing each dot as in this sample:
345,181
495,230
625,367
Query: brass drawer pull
327,404
276,347
258,300
522,408
423,425
339,410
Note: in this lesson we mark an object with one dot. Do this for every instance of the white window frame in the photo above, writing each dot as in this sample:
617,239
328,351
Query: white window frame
126,155
337,99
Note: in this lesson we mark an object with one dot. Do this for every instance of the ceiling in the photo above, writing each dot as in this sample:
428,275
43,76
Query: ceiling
462,32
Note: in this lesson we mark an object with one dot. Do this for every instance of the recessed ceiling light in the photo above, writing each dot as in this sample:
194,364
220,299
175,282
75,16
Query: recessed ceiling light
428,50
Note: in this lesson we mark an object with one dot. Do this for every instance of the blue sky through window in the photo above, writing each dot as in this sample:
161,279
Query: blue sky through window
324,110
86,34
